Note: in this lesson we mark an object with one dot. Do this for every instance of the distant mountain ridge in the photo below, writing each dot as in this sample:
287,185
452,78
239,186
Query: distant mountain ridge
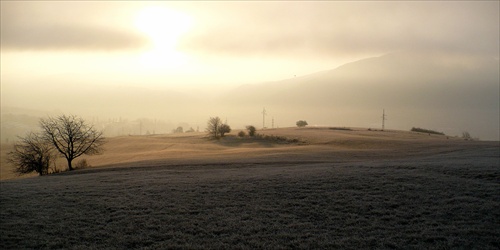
392,78
409,84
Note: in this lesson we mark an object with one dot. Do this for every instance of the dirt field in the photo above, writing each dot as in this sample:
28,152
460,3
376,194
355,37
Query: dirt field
295,188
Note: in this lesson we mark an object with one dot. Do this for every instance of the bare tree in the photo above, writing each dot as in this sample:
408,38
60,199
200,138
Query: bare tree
31,154
72,136
213,127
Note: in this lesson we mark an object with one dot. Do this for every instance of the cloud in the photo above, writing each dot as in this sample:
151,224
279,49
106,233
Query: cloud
65,26
337,28
60,37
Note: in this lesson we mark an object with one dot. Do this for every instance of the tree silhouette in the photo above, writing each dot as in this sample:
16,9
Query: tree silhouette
217,129
72,136
31,154
223,129
301,123
213,125
251,130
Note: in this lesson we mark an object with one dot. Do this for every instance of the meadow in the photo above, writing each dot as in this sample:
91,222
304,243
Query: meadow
320,188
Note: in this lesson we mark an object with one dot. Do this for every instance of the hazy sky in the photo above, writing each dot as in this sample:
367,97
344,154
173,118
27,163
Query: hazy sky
145,59
177,44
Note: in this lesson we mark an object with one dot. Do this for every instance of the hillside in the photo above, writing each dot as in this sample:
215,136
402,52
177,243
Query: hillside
296,188
314,144
417,89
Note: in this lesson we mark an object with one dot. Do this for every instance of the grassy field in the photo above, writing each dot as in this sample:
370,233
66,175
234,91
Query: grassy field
331,189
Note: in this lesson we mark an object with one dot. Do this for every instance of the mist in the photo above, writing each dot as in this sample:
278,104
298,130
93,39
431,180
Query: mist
428,64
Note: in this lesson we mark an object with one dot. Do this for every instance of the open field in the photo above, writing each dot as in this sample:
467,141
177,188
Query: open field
319,188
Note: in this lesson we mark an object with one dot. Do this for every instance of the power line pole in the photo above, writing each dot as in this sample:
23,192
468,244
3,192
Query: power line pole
383,119
264,113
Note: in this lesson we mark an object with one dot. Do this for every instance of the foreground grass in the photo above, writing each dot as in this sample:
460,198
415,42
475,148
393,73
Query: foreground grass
449,201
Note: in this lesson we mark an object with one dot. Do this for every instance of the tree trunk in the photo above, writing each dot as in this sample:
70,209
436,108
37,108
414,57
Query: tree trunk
70,168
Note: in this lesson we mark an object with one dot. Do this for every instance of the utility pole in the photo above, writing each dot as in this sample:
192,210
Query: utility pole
383,119
264,113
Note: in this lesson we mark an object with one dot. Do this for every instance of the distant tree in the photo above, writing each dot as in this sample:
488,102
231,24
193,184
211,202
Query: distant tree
213,126
301,123
466,135
72,137
31,154
251,130
241,134
190,130
223,129
178,130
217,129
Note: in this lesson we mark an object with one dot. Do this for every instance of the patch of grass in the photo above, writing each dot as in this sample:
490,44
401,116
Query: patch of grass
428,131
440,203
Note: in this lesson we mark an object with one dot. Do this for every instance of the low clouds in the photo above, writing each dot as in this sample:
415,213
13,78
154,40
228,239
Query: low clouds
338,28
66,26
272,29
65,37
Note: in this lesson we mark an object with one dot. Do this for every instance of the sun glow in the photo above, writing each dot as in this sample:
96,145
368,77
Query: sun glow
164,27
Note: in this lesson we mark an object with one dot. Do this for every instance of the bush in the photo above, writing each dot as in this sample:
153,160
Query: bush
82,164
241,134
55,170
344,128
428,131
178,130
301,123
280,139
251,130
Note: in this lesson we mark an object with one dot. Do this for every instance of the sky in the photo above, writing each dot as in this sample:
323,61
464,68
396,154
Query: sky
176,44
214,46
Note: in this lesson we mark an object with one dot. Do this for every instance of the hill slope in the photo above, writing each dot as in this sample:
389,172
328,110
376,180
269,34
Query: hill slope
417,89
320,188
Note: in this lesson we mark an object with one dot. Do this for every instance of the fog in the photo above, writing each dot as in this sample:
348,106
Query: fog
428,64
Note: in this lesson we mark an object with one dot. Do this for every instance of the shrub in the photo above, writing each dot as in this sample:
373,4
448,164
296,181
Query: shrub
428,131
344,128
82,164
178,130
241,134
55,170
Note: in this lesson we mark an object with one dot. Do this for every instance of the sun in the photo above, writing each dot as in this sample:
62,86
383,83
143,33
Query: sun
164,28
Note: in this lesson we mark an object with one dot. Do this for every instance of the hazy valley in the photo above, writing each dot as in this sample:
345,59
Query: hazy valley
422,90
